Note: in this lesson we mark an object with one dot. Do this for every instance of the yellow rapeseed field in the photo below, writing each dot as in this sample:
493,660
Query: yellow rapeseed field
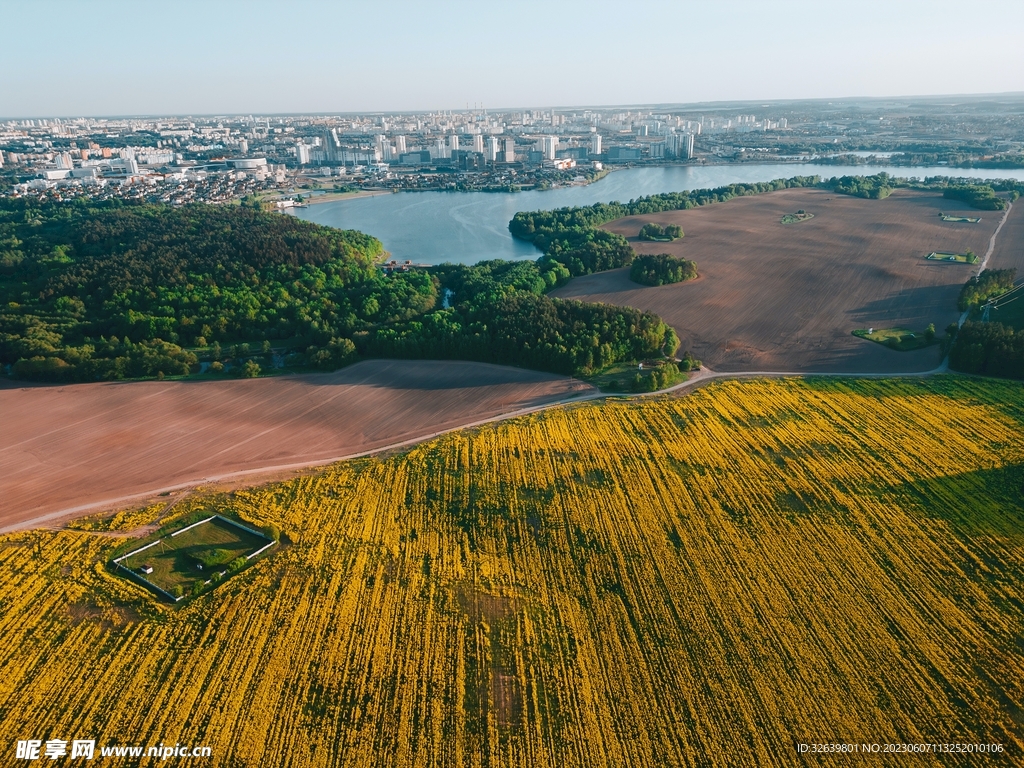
708,580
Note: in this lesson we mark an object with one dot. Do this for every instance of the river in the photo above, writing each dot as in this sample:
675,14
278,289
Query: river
467,227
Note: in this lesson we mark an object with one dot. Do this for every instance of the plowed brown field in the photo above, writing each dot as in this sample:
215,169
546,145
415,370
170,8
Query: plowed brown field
63,448
1009,250
786,297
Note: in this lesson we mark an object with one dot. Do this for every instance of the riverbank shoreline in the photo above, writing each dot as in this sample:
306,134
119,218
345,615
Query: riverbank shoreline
470,227
333,197
897,171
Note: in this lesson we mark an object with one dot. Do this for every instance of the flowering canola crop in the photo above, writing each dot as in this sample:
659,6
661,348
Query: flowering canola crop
698,581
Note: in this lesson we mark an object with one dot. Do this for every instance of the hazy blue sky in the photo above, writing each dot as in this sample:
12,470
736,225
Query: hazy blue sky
96,57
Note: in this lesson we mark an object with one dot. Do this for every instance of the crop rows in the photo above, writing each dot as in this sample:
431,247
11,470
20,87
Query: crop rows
701,581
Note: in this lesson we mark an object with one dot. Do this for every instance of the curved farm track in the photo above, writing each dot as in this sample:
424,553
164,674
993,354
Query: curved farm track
67,449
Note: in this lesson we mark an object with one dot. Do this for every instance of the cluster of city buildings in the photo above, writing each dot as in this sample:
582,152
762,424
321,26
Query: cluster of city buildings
181,159
212,158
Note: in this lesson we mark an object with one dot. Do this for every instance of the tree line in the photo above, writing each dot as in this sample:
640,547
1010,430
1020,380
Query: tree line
981,288
977,194
993,349
980,196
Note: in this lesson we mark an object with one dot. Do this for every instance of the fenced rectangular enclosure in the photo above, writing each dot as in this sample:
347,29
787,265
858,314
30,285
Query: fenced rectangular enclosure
186,561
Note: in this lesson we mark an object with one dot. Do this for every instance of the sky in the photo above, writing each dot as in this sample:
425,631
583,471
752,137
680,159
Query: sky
112,57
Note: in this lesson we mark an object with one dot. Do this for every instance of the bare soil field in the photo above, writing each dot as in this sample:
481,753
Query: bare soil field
787,297
1009,250
63,448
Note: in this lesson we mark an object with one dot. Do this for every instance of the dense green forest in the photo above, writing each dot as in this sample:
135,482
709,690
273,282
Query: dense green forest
988,348
661,269
94,291
981,288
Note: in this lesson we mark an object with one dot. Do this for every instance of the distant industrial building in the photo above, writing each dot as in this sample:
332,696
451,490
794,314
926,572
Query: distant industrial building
414,158
574,153
246,163
619,154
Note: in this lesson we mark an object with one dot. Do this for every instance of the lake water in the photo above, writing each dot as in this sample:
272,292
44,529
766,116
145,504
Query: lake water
467,227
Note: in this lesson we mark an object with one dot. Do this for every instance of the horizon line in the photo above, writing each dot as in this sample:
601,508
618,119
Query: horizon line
718,105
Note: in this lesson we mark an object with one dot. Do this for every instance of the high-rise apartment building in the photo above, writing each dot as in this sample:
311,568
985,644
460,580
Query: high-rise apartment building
131,167
492,149
302,154
548,145
595,144
478,143
510,150
400,145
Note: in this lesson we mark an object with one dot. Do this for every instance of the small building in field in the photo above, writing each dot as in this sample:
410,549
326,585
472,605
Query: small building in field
146,569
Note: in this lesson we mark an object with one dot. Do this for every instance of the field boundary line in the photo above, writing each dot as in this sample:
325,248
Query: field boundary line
703,376
194,525
136,551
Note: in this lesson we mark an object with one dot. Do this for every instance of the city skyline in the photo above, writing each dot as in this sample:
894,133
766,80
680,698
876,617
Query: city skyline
116,59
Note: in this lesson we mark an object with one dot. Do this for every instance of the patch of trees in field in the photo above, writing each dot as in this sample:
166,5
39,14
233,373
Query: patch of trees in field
981,288
661,269
656,233
877,187
94,291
